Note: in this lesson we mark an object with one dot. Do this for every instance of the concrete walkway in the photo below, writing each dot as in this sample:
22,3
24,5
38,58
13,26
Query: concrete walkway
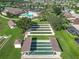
40,57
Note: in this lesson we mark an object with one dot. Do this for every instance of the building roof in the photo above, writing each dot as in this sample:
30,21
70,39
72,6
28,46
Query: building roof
17,41
14,11
76,21
68,15
26,44
11,23
76,26
55,44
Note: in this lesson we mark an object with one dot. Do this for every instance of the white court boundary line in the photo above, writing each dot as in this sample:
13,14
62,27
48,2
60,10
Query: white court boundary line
40,31
41,34
2,45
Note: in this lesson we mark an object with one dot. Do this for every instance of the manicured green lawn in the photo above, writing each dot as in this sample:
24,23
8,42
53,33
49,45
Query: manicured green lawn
8,51
68,44
41,37
40,22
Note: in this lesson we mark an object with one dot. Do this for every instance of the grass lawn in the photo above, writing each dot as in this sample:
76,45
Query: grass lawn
68,44
77,11
41,37
40,22
8,51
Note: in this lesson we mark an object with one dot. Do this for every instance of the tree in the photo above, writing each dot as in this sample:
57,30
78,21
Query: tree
57,9
43,16
53,14
57,22
9,15
24,23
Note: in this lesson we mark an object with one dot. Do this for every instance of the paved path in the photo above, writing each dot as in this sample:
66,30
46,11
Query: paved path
40,57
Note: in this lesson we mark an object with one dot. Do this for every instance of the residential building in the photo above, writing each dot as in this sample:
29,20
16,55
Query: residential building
14,11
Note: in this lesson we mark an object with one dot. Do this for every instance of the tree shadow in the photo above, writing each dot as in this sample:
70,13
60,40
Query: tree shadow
59,44
33,44
22,42
77,40
35,26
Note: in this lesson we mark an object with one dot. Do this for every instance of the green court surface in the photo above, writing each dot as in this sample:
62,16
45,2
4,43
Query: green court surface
41,47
